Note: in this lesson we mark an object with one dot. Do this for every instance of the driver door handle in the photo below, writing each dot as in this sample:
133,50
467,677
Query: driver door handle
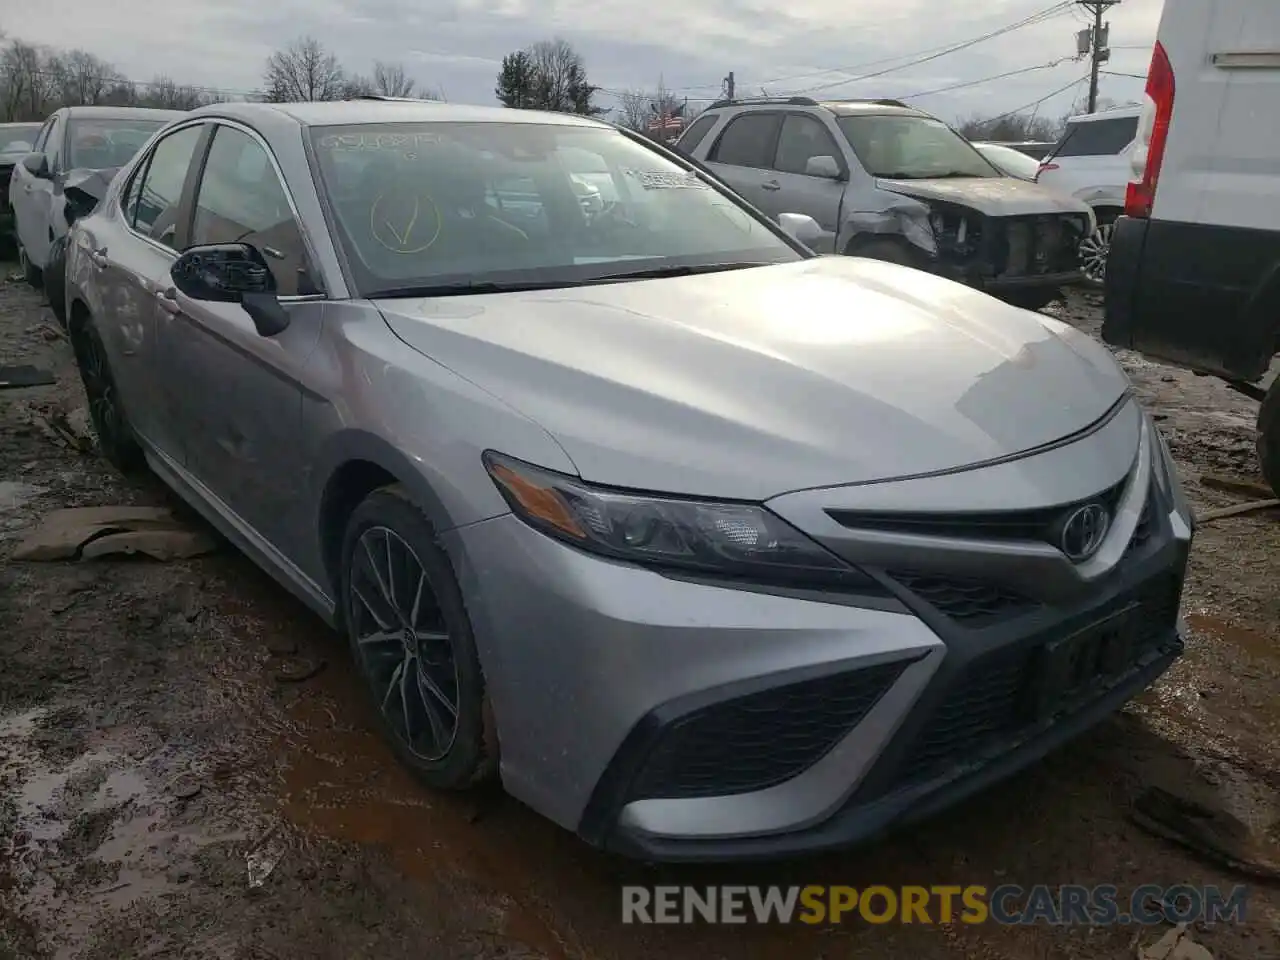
771,185
168,300
98,257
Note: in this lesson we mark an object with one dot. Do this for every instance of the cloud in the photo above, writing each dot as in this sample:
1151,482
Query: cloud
458,44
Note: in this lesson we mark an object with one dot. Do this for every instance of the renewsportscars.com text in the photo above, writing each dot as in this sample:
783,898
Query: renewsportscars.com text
1008,904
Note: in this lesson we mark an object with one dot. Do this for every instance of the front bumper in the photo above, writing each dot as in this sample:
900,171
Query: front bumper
672,719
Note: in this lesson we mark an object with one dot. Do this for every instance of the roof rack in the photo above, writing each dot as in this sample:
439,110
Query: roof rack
882,101
794,101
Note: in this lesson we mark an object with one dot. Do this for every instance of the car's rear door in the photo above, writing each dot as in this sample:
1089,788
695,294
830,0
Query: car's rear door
131,258
802,137
743,153
243,395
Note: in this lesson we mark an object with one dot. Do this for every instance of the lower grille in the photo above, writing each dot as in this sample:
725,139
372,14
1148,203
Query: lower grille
973,603
761,739
998,695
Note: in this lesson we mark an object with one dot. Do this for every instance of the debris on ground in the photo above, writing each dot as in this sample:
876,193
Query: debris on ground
1245,488
91,532
24,376
1212,832
263,858
1234,511
1176,944
297,671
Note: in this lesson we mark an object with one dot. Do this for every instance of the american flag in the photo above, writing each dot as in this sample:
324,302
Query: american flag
666,124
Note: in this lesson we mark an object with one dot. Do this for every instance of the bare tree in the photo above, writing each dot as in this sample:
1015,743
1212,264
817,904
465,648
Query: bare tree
304,70
81,78
390,80
550,75
637,107
27,84
165,93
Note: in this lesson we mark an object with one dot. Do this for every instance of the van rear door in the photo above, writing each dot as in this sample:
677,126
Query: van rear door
1205,286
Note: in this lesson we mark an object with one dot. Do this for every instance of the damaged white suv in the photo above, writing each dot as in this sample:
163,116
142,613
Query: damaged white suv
886,181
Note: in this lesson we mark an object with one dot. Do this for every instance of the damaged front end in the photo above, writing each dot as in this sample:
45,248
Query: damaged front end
1005,255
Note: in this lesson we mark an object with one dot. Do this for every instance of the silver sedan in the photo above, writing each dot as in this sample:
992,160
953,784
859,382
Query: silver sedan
708,546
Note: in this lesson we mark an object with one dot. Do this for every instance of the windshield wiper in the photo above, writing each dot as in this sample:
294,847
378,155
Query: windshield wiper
653,273
477,287
470,287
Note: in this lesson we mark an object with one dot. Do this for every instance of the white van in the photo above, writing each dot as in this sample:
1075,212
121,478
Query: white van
1194,270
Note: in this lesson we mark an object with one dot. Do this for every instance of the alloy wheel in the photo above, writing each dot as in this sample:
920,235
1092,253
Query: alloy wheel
100,390
403,643
1094,250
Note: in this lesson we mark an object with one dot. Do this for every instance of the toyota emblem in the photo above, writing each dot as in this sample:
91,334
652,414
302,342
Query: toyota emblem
1084,531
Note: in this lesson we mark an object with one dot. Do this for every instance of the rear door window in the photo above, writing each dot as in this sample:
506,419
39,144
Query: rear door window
1097,138
696,133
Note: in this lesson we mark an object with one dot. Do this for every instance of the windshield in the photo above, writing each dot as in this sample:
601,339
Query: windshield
104,143
427,205
18,139
1011,161
903,147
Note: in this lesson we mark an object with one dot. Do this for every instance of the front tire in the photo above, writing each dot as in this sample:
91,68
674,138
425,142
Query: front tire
412,642
55,280
30,272
890,251
116,439
1269,436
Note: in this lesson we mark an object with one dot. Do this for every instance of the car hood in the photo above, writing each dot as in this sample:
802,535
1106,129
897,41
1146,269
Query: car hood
994,196
750,383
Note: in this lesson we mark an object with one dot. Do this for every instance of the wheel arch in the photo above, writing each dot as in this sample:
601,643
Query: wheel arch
355,464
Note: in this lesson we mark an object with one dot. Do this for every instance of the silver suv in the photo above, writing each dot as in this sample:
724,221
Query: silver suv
889,182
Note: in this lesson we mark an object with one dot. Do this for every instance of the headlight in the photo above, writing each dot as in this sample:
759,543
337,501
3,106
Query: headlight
736,540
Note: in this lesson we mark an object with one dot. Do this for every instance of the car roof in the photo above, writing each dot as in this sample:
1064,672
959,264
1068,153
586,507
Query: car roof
123,113
856,108
342,112
1112,113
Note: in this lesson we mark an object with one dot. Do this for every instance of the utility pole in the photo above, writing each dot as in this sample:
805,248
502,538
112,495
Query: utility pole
728,85
1099,48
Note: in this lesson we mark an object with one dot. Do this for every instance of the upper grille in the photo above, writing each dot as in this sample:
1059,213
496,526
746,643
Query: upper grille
761,739
1036,524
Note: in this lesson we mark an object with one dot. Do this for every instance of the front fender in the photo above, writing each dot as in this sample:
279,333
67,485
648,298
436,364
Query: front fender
905,218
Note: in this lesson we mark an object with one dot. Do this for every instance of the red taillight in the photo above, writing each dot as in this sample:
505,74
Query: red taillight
1140,195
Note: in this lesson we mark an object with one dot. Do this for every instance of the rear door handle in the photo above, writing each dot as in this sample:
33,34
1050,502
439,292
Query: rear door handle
771,185
98,257
168,300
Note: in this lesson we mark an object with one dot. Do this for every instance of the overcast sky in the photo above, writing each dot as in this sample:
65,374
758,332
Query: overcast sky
456,45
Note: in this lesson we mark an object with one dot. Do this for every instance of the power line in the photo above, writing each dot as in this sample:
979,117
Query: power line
1036,103
930,53
1058,9
126,82
981,80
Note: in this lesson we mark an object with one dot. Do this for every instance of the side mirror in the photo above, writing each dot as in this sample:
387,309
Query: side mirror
800,227
37,164
232,273
825,167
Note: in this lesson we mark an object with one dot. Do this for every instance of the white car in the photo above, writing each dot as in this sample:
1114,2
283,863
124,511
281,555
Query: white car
73,138
1091,163
1009,160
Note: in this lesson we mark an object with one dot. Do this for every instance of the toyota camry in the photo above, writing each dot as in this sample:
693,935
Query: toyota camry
707,546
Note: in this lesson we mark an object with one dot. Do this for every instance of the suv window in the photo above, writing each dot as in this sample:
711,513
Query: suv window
802,138
240,199
747,141
697,132
155,212
1097,138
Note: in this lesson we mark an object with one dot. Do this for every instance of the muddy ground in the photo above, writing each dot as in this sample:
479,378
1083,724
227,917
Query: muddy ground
158,753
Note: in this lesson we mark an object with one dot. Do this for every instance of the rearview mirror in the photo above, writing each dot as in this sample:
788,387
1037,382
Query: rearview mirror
37,164
800,227
825,167
232,273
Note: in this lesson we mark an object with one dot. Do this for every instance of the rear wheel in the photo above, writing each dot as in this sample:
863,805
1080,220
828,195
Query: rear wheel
115,436
1269,436
1096,248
